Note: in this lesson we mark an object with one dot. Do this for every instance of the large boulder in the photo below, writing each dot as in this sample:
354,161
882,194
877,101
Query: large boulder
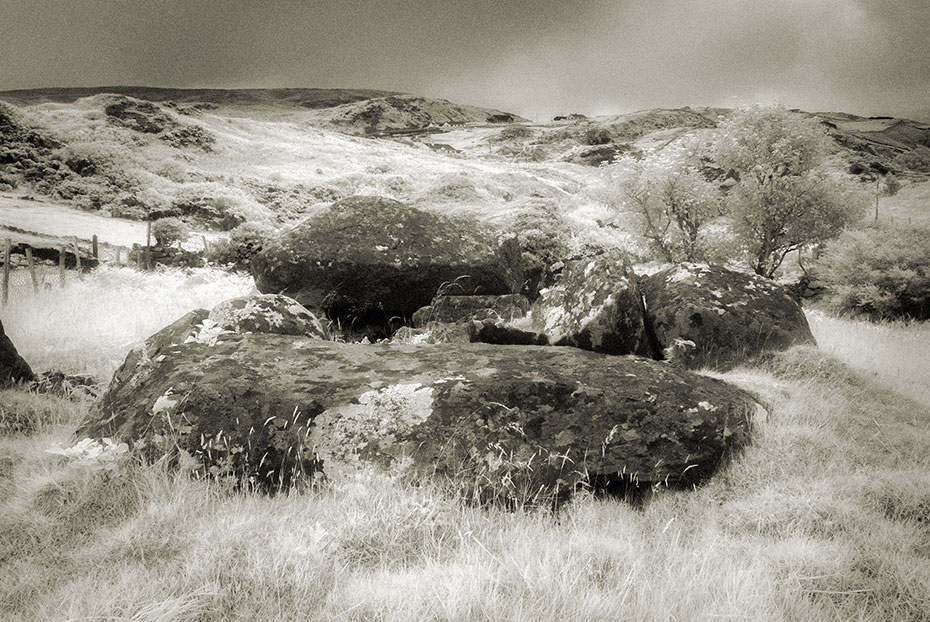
266,407
267,313
709,316
596,305
188,327
368,259
13,367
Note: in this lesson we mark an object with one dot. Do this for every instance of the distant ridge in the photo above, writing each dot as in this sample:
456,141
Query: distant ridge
305,98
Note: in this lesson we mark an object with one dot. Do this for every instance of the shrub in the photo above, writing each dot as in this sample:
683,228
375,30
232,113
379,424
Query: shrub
879,273
242,244
668,197
190,136
167,231
890,185
597,136
918,159
515,132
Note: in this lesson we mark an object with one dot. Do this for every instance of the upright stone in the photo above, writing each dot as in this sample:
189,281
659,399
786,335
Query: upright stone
13,367
595,305
709,316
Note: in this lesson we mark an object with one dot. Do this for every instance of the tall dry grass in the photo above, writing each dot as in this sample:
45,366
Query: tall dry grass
823,518
819,520
895,353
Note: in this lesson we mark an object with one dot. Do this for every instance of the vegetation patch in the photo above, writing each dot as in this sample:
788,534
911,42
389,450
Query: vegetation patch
149,118
880,273
240,246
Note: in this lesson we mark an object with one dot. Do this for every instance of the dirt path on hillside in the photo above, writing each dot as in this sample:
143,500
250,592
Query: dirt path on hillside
47,218
59,220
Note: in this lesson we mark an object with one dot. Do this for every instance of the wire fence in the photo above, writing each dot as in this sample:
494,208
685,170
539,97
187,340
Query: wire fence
28,270
21,281
25,269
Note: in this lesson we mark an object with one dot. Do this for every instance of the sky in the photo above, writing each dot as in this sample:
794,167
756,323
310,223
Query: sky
537,58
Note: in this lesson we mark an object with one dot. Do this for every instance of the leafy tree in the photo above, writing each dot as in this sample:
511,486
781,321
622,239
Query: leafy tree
786,196
670,197
890,185
167,231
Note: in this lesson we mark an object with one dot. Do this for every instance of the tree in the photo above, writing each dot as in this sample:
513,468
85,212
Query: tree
670,197
169,230
786,197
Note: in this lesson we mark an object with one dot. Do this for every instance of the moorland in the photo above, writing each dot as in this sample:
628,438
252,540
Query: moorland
824,516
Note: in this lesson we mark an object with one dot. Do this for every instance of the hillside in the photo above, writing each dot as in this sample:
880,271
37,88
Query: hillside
303,98
218,158
223,165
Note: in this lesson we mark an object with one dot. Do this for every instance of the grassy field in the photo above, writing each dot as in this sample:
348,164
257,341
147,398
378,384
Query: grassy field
910,207
824,517
895,354
89,326
271,164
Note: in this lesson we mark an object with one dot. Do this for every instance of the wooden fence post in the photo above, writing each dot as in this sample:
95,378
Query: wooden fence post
148,245
206,245
6,270
61,265
93,246
119,250
32,269
77,256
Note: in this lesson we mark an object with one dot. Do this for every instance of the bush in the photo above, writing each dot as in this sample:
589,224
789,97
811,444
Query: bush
918,159
597,136
787,196
242,244
879,273
167,231
515,132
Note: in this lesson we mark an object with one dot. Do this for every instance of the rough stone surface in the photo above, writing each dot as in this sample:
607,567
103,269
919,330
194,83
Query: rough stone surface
144,356
267,313
435,333
596,305
451,309
708,316
373,258
13,367
267,406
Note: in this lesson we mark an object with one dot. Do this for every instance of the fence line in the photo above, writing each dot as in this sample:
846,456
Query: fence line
41,275
139,257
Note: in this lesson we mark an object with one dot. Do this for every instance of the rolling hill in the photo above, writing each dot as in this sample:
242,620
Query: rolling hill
218,158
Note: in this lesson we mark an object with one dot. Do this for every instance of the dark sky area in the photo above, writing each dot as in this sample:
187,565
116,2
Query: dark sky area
536,58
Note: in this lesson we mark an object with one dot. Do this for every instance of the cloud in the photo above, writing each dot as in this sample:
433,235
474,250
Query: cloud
530,56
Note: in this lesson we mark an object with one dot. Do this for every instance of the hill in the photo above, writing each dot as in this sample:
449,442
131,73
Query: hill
304,98
218,158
